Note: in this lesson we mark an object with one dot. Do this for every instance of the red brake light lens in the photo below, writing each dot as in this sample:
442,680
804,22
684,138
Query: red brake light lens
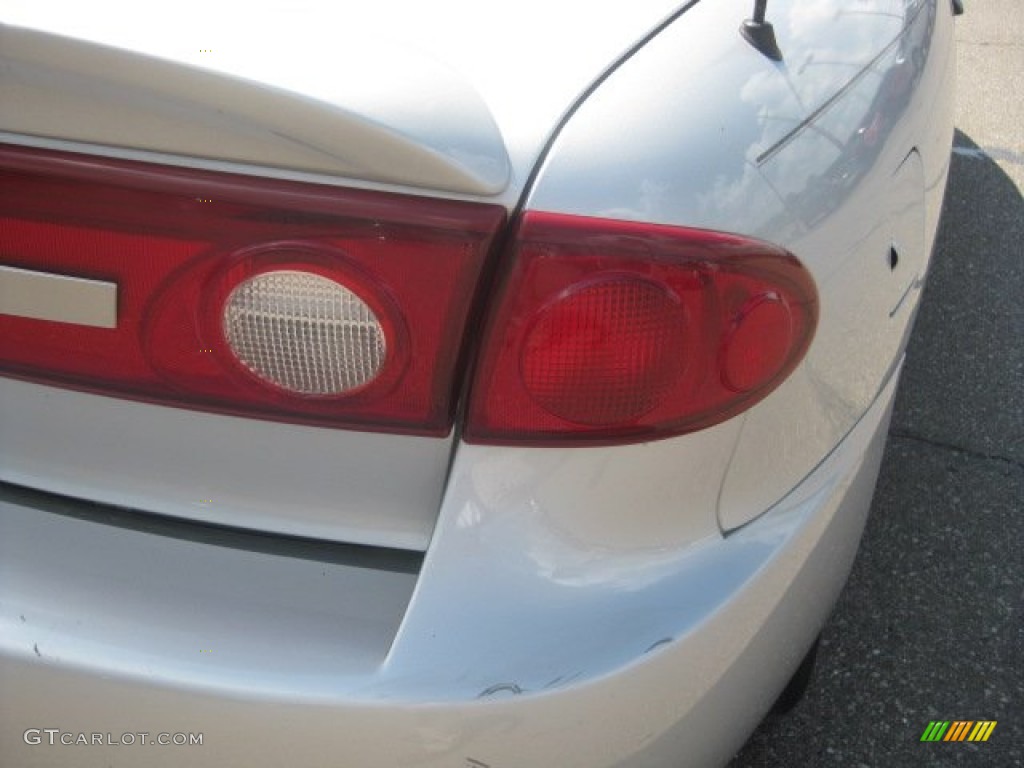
605,351
611,332
262,298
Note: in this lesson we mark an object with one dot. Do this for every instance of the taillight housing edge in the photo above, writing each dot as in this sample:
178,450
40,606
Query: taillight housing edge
608,332
176,241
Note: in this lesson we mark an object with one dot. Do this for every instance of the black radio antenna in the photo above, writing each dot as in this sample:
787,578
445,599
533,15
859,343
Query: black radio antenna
760,33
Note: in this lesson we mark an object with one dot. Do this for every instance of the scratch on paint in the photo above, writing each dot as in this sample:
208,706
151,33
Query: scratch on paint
510,687
659,643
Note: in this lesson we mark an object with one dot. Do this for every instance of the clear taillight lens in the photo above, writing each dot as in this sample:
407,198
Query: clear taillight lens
244,295
304,333
611,332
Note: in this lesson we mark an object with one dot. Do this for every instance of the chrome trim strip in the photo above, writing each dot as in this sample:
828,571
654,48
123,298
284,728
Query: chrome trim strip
58,298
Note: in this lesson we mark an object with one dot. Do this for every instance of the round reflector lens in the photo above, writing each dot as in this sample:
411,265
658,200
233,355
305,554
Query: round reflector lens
607,352
304,333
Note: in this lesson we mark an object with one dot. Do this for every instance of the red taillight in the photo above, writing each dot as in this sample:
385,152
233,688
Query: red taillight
609,331
250,296
606,351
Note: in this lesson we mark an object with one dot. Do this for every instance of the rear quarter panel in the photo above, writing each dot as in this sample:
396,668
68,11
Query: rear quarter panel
838,153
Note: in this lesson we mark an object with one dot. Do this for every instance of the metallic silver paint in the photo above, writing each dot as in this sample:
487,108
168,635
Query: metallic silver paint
320,92
576,607
365,488
698,129
184,613
437,96
79,91
717,630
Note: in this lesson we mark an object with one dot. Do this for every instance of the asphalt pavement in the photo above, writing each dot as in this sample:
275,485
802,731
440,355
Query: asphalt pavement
930,626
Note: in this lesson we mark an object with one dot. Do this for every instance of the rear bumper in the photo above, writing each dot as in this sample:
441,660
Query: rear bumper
113,631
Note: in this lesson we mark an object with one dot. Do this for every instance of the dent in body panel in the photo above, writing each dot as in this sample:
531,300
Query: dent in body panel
603,534
753,596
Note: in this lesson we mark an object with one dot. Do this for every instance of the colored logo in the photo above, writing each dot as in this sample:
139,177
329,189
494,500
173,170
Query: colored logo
958,730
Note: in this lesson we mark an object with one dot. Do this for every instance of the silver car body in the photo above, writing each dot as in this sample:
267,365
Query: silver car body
470,605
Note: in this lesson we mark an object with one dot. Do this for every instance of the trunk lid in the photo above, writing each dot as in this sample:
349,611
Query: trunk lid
449,96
